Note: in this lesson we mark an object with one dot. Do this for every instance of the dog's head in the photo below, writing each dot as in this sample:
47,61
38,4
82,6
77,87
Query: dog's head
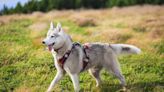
55,37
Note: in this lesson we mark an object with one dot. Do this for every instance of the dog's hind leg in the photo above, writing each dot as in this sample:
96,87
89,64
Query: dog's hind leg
95,72
116,71
114,67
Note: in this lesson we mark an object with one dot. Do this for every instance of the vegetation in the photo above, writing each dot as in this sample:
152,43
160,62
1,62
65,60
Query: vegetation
25,65
47,5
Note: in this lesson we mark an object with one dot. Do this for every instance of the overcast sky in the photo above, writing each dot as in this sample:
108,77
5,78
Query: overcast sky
11,3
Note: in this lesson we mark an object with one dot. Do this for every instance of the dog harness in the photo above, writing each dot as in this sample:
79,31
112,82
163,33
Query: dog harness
62,60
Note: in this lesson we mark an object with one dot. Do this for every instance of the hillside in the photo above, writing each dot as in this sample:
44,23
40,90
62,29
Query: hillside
26,66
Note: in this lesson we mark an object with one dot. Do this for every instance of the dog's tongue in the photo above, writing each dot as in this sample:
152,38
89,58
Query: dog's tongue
50,47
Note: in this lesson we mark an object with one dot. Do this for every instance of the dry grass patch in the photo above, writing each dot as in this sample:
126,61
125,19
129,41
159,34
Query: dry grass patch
38,26
23,89
84,22
156,34
116,35
37,14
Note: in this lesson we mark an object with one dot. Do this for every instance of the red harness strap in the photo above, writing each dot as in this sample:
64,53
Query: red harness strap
62,60
86,59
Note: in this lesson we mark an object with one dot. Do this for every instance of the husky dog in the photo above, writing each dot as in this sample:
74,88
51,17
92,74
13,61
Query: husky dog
70,57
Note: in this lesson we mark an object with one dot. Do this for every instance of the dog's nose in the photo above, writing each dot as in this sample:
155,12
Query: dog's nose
43,42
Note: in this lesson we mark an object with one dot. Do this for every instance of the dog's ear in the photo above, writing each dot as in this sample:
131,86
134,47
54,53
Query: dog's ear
59,27
51,25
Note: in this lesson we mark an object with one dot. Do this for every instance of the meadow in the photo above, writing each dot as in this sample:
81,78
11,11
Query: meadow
26,66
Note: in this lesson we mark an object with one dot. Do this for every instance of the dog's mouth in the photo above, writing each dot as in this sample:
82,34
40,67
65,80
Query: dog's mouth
50,47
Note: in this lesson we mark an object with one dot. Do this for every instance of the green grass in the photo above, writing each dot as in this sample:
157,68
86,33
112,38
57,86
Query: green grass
159,47
25,66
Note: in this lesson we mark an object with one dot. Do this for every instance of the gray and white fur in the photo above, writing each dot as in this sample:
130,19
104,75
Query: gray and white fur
101,55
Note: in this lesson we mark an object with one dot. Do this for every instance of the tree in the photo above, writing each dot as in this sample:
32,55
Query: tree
5,10
43,5
18,8
52,4
31,6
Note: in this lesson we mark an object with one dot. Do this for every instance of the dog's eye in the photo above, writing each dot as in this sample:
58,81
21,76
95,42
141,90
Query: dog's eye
52,36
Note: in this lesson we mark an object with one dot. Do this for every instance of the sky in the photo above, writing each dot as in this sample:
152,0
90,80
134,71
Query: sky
11,3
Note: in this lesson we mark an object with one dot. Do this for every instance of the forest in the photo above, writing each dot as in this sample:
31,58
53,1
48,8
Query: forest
47,5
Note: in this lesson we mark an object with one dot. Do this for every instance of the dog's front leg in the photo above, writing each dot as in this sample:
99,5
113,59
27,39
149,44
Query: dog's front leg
55,80
75,81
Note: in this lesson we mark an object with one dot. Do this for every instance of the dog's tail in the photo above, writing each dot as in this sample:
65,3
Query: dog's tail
121,49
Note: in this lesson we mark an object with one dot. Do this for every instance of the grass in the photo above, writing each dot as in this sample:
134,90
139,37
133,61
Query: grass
25,66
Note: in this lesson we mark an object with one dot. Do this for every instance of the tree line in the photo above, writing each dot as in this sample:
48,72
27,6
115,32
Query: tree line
47,5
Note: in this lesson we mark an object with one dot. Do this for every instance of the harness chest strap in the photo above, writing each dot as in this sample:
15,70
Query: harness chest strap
62,60
86,60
